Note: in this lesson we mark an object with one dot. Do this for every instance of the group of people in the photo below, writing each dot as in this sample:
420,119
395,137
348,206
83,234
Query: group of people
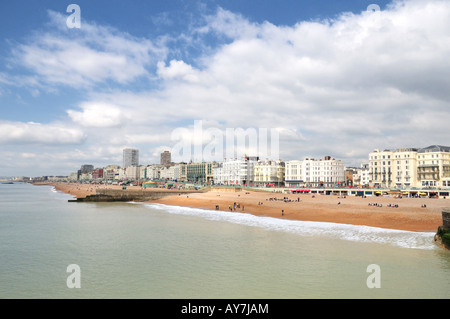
284,199
234,206
381,205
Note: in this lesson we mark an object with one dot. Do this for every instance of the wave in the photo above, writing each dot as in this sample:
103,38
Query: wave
364,234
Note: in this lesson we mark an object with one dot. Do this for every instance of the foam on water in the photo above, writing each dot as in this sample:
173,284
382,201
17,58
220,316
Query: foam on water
399,238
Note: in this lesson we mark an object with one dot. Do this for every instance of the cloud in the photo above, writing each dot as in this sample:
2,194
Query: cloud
177,70
35,133
97,114
87,56
338,87
360,80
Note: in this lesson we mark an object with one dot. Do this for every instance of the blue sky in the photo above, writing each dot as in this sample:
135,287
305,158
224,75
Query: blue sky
331,77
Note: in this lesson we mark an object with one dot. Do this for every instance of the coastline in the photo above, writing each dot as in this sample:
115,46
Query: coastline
408,216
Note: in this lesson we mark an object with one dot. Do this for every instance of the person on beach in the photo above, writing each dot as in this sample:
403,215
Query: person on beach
282,212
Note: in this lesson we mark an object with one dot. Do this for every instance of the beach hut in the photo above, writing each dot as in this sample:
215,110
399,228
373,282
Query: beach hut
150,184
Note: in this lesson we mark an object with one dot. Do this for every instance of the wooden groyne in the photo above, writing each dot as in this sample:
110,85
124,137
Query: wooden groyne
442,237
138,195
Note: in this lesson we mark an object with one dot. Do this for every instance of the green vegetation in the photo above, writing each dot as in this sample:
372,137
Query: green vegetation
444,234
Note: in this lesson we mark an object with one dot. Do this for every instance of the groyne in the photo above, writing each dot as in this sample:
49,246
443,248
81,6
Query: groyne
124,195
442,237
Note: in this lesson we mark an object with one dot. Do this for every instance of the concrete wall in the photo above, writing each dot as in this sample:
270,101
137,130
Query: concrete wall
126,195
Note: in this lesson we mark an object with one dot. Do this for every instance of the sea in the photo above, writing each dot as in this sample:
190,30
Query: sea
51,248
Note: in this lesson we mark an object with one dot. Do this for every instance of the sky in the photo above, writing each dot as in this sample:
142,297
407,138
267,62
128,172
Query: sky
324,78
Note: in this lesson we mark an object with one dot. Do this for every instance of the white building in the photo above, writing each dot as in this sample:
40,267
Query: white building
132,173
269,172
394,168
172,172
73,176
361,176
111,172
311,172
166,173
152,172
405,168
433,166
236,171
294,173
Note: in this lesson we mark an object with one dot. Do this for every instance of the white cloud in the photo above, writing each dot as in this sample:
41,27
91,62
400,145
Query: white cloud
87,56
361,80
177,70
97,114
337,87
35,133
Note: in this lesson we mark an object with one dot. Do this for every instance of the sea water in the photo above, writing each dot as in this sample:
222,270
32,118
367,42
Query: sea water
142,250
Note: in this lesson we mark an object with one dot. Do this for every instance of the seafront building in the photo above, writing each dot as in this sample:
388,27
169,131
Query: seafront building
151,172
410,167
433,166
269,173
294,174
172,172
327,172
393,168
111,172
397,169
132,173
236,171
361,176
197,172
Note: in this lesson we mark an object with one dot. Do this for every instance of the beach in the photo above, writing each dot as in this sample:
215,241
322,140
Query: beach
384,212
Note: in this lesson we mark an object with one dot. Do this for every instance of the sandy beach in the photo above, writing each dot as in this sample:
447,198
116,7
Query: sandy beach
404,213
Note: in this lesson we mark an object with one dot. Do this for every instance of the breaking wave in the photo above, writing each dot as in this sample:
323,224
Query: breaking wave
364,234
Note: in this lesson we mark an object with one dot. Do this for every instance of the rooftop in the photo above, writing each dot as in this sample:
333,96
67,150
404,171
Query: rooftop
435,148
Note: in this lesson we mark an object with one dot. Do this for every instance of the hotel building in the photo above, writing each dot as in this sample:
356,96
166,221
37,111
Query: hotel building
433,167
393,168
312,172
410,167
236,171
269,172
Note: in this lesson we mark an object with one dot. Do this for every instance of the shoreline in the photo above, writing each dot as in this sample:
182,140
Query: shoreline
406,214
